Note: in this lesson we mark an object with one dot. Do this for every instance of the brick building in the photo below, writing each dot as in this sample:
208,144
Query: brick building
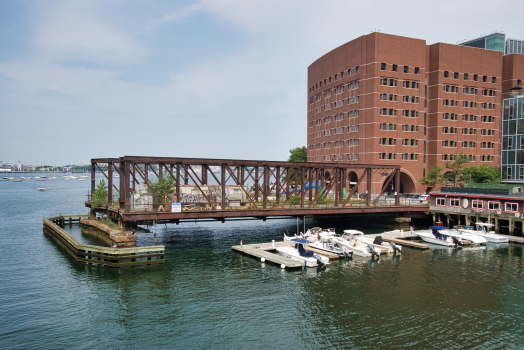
386,99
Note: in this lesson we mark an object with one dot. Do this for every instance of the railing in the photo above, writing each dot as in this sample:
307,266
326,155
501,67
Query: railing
167,207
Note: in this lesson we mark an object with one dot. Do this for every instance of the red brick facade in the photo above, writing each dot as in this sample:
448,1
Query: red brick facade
385,99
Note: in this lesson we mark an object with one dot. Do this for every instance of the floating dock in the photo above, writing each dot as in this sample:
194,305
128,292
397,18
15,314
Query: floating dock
265,250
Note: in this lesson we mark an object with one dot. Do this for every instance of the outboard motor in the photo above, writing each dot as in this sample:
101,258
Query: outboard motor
319,260
347,253
396,247
373,251
457,241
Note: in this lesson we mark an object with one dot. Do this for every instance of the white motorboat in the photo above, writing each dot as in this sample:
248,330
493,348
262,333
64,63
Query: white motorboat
298,253
41,188
328,244
438,235
483,230
385,247
352,240
52,178
474,239
312,234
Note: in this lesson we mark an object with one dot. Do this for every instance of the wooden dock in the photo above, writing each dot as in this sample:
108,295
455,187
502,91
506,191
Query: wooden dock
98,255
406,242
264,250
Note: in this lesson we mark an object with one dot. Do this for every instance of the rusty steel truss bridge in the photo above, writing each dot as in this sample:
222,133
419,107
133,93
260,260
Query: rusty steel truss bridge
201,190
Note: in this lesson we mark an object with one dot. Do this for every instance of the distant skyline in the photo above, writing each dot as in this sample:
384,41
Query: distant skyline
211,79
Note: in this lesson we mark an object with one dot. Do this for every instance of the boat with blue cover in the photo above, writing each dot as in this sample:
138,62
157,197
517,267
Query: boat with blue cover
299,253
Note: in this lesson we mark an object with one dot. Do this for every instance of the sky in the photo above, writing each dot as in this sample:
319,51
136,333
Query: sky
208,79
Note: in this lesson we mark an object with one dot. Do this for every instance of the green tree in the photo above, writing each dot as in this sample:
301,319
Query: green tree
100,194
485,173
298,154
457,173
163,186
432,178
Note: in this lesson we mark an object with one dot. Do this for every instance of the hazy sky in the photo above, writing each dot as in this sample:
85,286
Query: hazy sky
210,78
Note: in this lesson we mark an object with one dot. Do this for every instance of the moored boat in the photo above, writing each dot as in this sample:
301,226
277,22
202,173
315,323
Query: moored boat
298,253
352,240
483,230
438,235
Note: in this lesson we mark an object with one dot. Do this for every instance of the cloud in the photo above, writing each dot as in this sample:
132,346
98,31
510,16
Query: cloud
72,31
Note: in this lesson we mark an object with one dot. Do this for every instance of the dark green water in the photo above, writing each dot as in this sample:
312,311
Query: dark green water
208,297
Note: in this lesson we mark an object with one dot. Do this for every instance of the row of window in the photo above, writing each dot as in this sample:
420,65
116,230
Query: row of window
340,75
468,144
410,99
348,156
470,157
467,131
509,207
407,69
337,117
467,76
388,82
454,88
409,156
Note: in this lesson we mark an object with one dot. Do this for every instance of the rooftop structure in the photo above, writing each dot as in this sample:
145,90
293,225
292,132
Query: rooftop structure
494,41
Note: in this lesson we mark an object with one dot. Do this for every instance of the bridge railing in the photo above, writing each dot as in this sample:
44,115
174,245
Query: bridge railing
168,207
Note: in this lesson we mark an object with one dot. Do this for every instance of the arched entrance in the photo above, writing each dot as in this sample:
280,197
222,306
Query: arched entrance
407,184
352,180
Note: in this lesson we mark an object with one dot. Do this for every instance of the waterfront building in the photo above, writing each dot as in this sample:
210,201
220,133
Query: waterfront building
503,208
387,99
512,167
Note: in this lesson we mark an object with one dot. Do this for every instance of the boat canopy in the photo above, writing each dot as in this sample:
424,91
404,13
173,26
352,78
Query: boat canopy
484,224
354,232
303,252
298,240
438,228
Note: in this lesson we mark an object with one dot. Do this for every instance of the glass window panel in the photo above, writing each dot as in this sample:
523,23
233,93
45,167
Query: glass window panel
520,126
512,127
511,157
520,157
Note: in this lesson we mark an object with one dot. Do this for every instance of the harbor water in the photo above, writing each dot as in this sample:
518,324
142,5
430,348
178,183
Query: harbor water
208,297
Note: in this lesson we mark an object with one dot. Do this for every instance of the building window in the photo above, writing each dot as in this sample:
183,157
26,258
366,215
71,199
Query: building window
493,205
456,75
512,207
454,202
493,80
357,69
477,204
446,74
475,77
406,69
484,79
417,70
441,202
466,76
382,66
395,68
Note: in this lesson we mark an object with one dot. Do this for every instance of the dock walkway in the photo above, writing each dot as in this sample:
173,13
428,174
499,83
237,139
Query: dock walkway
263,250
